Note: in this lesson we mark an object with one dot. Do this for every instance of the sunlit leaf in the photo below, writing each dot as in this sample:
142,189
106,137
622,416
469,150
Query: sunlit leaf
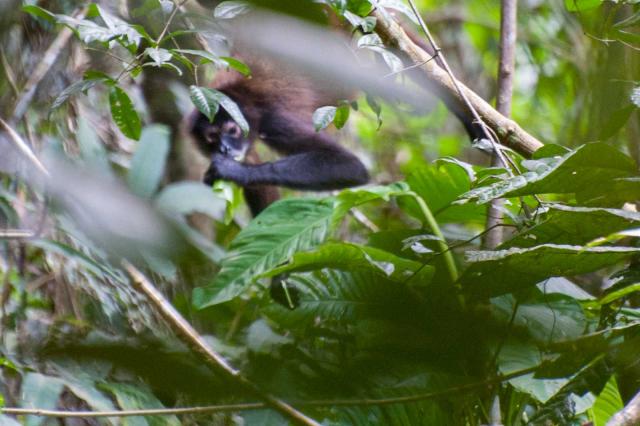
323,116
124,114
283,229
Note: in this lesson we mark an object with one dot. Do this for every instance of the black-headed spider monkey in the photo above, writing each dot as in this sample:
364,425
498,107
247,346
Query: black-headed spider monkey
278,104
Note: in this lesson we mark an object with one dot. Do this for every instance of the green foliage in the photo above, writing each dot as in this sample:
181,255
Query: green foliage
124,114
391,294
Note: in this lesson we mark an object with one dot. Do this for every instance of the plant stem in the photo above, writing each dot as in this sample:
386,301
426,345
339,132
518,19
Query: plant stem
449,261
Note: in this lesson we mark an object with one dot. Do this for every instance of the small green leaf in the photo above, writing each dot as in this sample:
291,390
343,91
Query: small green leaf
323,116
342,115
209,107
158,55
124,114
39,12
74,89
208,102
237,65
231,9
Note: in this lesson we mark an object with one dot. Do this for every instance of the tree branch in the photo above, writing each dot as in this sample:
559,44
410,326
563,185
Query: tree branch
506,68
216,362
508,131
261,405
629,415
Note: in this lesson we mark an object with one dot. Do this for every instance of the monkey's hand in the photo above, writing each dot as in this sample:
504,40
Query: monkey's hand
225,168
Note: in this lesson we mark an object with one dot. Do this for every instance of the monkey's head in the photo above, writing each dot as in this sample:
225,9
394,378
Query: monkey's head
222,136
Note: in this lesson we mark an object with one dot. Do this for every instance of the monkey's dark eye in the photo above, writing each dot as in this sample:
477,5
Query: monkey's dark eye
232,129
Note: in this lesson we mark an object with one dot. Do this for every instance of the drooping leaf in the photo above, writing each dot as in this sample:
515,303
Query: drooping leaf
283,229
492,273
148,163
342,115
39,12
237,65
78,87
124,114
209,100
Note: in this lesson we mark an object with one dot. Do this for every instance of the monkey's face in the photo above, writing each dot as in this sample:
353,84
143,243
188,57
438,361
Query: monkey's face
223,136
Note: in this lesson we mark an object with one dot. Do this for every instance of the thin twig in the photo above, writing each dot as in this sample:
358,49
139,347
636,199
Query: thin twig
23,147
12,234
509,132
364,220
261,405
216,362
176,8
438,53
43,67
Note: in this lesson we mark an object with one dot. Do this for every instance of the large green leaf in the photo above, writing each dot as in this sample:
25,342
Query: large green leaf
351,198
350,257
343,297
591,167
493,273
574,225
148,163
547,317
514,357
283,229
124,114
440,186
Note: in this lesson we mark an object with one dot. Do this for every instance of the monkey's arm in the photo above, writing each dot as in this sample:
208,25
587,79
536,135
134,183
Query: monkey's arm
318,170
314,161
